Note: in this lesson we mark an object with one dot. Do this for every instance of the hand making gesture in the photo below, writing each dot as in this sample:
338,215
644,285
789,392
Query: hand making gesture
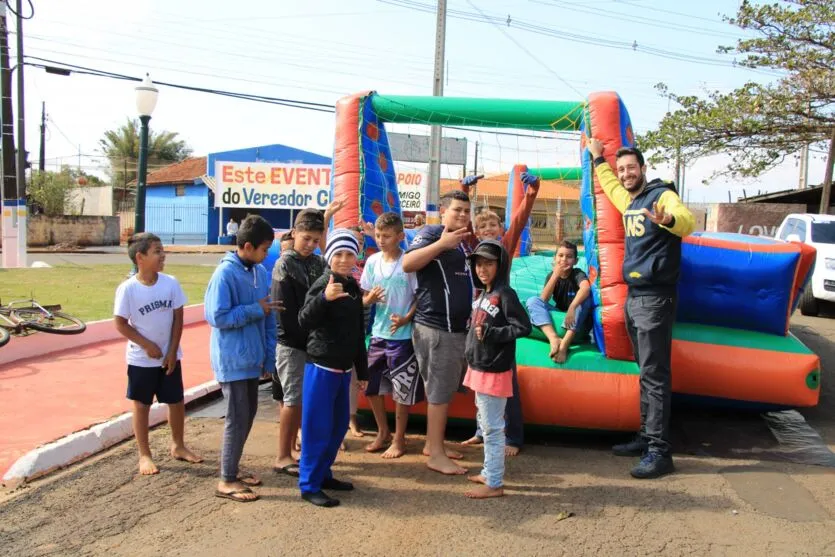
374,296
658,216
450,240
269,306
334,291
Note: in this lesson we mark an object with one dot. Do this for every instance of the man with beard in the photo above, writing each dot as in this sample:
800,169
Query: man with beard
655,220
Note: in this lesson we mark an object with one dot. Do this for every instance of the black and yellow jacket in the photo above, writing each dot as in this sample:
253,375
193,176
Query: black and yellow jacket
652,256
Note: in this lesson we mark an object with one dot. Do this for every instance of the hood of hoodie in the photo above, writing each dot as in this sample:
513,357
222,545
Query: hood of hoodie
659,183
231,258
503,271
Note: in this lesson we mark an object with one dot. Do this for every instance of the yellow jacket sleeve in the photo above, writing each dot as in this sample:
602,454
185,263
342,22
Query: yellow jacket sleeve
612,187
684,223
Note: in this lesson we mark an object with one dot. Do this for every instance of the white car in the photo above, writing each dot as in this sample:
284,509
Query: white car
819,232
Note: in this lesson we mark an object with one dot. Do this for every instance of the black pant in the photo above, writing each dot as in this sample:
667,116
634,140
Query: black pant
649,322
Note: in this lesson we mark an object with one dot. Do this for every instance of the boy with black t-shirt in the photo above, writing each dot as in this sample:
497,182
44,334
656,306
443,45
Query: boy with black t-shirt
438,257
570,289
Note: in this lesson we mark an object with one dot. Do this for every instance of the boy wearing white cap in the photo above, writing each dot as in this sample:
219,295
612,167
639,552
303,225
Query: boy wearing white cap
333,316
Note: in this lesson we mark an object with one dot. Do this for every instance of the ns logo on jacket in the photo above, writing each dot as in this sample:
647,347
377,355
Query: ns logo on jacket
633,223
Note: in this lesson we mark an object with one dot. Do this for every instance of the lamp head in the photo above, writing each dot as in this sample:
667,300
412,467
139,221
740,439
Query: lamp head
146,97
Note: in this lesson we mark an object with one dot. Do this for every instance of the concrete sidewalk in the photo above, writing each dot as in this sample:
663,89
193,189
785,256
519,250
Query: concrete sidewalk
49,397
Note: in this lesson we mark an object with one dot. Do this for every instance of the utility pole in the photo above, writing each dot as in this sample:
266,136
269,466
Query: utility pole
13,208
474,192
803,179
42,152
826,191
21,147
435,135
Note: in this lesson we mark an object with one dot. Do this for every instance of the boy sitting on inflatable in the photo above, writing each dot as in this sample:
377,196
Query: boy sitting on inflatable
571,291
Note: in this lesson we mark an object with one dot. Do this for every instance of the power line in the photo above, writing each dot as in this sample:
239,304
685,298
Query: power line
530,54
292,103
577,37
318,107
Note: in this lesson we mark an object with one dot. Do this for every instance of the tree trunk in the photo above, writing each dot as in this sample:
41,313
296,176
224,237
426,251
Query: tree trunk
826,192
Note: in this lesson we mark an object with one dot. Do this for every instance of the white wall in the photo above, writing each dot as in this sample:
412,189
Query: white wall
90,201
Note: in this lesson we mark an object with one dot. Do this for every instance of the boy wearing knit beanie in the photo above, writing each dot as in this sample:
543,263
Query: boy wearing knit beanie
332,315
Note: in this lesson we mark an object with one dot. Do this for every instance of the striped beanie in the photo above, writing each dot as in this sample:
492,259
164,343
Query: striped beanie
341,239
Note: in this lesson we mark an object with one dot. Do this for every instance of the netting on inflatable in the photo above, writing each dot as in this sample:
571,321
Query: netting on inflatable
736,292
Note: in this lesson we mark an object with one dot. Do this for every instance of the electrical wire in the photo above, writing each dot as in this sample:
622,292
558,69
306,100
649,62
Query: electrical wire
530,54
31,9
576,37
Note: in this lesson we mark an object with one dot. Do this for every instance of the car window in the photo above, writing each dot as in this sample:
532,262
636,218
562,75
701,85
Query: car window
788,228
823,232
800,230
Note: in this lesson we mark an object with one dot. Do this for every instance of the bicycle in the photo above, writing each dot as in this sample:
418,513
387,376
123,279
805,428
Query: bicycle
47,319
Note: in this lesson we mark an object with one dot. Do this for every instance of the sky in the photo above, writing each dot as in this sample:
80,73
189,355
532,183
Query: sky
320,50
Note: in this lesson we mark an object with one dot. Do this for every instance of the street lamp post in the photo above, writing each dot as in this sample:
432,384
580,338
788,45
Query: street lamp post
146,101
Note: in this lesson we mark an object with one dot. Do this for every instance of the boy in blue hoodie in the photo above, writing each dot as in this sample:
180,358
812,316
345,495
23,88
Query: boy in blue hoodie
238,308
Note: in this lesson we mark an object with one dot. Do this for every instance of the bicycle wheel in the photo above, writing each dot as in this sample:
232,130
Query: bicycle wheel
58,324
5,337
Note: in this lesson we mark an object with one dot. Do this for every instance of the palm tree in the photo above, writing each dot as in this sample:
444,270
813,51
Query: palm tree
121,147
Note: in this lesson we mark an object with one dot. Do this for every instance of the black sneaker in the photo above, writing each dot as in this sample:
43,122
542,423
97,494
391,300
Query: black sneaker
337,485
653,465
637,447
320,499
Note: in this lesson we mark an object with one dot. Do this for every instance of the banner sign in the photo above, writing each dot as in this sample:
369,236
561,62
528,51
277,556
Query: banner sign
411,186
260,185
265,185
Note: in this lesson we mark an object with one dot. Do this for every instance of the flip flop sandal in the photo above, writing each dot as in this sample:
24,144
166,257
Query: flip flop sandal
287,470
233,495
249,479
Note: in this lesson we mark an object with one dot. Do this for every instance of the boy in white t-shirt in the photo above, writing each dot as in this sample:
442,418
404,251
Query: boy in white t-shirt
392,366
148,311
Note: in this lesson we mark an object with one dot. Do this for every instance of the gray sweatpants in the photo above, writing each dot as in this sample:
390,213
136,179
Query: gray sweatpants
241,406
649,322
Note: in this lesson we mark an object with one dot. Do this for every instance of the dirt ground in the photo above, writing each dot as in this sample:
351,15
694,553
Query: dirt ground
737,491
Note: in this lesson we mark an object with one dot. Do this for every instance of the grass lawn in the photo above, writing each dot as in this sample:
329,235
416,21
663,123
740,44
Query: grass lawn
87,291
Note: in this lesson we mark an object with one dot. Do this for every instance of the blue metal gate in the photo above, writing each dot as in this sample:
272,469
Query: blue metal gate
177,223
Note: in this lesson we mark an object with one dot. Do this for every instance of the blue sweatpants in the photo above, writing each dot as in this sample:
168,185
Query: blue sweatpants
325,414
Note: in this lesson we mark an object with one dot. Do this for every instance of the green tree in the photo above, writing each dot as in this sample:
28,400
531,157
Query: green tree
50,191
121,147
760,125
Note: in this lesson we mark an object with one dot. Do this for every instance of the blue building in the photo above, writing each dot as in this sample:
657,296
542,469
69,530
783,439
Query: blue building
180,198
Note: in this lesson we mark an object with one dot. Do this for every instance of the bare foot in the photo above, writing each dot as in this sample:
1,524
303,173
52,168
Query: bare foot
285,462
474,440
510,450
477,479
555,347
238,490
444,465
297,445
355,430
454,455
484,492
396,450
182,453
147,466
379,443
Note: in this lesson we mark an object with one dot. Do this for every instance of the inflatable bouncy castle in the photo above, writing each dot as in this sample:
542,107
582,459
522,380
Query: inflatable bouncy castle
731,341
